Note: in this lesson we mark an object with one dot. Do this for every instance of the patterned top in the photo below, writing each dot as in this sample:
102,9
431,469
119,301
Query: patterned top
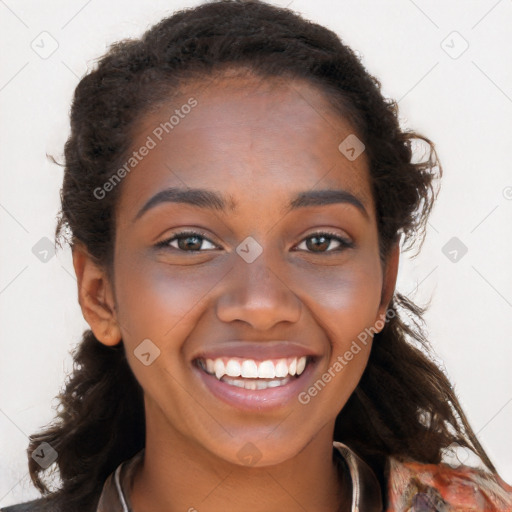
412,487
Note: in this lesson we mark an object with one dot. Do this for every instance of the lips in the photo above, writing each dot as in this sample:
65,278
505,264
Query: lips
249,374
259,351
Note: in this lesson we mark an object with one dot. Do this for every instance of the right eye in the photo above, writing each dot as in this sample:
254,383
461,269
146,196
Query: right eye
186,241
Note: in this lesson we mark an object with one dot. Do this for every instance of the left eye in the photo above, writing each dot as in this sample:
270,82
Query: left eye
325,239
191,241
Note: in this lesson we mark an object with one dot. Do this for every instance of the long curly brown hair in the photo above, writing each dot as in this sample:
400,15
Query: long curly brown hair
404,406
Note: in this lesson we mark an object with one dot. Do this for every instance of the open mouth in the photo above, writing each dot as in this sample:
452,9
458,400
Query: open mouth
252,374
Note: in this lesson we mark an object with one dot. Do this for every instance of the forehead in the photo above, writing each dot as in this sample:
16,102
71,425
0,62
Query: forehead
255,141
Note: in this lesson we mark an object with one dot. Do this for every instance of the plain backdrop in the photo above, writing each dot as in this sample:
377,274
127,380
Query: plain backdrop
448,64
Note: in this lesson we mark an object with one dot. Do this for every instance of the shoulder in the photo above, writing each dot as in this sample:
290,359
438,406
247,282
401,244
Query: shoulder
417,486
38,505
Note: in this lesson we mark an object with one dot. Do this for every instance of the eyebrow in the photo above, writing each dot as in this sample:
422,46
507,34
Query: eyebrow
208,199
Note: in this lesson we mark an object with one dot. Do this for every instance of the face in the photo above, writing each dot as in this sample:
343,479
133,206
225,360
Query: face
273,265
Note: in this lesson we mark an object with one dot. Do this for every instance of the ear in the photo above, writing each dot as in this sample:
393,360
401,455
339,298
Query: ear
95,297
388,282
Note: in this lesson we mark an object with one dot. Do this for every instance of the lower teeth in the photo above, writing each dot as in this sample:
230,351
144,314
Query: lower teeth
255,383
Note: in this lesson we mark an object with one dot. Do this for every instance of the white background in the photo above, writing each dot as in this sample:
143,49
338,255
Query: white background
463,104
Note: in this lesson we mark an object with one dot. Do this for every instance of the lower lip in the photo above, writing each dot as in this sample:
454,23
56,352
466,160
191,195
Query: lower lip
256,399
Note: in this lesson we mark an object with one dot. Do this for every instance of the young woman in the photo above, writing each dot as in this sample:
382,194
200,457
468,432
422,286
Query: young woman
236,194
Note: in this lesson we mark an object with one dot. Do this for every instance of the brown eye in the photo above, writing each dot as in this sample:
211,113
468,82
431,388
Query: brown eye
185,241
319,243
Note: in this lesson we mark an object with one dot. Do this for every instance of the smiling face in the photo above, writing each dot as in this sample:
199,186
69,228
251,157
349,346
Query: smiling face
279,262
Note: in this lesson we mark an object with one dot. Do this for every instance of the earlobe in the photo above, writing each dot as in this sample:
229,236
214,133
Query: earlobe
95,297
389,282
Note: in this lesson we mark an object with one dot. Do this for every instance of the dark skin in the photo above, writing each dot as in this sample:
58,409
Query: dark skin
258,146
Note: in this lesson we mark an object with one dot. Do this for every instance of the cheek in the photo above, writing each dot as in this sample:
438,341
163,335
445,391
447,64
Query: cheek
163,305
344,299
344,302
154,300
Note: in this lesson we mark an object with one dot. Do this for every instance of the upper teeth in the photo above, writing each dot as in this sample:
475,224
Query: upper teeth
250,369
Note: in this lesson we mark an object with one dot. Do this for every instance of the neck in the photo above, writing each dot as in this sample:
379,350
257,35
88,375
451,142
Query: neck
176,475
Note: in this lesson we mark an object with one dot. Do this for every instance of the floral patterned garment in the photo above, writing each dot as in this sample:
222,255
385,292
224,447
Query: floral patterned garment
415,487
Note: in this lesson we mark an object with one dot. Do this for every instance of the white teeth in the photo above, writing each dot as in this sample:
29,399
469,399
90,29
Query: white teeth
293,367
233,368
219,368
281,369
266,370
301,364
254,384
250,369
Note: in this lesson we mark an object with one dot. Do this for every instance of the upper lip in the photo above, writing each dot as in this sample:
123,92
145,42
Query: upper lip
259,350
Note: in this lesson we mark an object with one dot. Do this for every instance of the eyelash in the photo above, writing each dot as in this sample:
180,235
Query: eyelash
164,244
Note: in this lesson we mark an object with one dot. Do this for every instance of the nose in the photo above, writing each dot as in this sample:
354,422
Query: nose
258,293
